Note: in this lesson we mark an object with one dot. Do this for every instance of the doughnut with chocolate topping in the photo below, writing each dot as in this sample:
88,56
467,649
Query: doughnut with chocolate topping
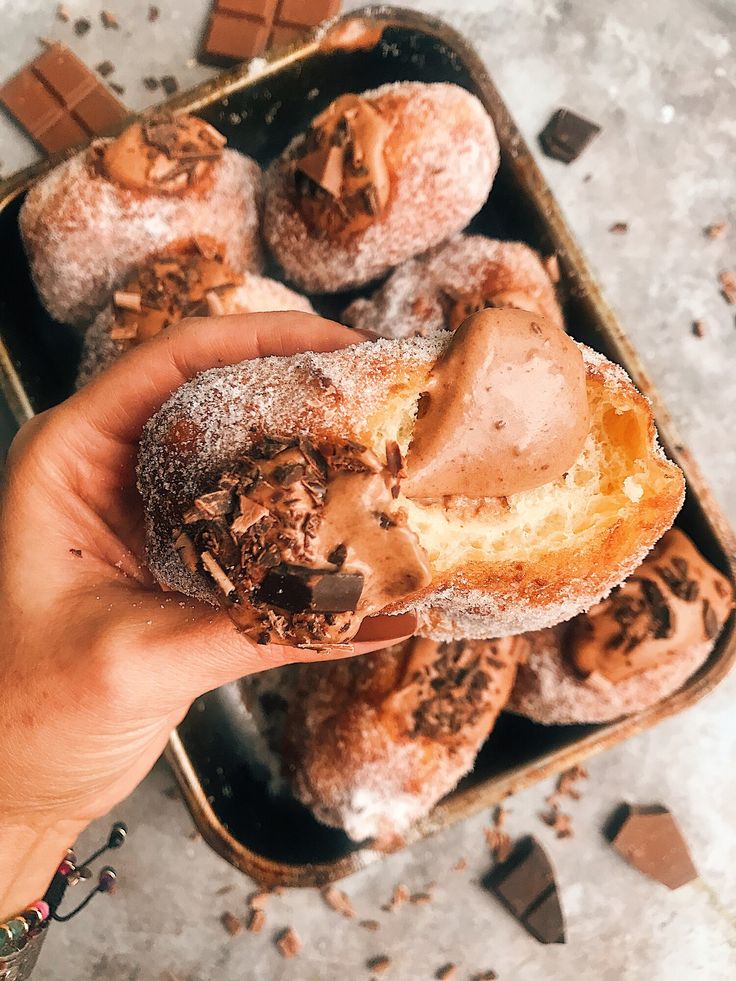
497,565
634,648
440,289
189,279
370,744
98,215
377,178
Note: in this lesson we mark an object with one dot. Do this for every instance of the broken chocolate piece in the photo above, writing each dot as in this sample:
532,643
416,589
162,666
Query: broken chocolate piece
239,29
297,588
288,943
59,101
526,885
649,838
566,135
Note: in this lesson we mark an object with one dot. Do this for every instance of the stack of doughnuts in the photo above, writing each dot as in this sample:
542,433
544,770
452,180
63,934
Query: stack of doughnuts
370,744
475,465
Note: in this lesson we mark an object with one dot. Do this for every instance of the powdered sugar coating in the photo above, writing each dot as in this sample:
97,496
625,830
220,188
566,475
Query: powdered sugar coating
442,156
209,423
414,297
548,691
84,234
257,294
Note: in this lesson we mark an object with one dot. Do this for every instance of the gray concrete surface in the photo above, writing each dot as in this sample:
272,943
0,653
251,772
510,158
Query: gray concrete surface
660,77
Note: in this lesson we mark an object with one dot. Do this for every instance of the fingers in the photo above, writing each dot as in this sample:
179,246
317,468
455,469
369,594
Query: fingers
179,648
118,403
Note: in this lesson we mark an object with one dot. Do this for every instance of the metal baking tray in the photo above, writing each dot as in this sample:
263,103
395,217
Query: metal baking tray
259,109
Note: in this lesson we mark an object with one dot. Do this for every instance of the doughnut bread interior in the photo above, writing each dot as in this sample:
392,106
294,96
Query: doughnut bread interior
497,566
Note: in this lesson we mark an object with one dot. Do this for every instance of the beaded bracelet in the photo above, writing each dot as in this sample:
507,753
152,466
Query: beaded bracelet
14,933
22,935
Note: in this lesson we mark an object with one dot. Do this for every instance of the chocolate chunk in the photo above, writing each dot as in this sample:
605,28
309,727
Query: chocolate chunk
239,29
525,884
231,923
566,135
105,68
298,588
59,101
288,943
109,20
649,839
379,964
81,26
619,228
169,84
338,555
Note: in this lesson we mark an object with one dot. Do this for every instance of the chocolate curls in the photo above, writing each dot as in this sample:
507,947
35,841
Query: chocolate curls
60,102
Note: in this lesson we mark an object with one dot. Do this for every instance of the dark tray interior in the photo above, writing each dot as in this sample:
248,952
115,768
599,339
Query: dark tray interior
259,120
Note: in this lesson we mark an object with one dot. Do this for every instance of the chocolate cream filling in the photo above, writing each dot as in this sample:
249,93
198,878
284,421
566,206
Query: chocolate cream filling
341,177
674,601
162,155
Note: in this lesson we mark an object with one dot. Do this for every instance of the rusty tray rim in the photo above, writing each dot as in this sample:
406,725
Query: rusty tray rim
467,801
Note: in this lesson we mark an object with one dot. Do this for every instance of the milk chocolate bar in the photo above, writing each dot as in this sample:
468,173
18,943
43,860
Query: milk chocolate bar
240,29
566,135
59,101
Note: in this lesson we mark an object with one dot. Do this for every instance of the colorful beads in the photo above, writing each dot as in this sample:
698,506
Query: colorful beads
14,933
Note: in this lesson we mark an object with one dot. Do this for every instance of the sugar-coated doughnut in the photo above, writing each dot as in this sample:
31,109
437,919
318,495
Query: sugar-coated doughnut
95,217
378,178
275,488
188,279
371,743
446,285
633,649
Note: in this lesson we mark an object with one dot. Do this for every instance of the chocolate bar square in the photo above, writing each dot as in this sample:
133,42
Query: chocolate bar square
566,135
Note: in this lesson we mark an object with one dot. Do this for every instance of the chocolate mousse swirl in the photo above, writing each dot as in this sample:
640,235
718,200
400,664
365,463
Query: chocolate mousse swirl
341,177
302,541
163,154
184,281
675,600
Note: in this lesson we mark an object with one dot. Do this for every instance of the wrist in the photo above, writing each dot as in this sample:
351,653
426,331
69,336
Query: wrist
29,857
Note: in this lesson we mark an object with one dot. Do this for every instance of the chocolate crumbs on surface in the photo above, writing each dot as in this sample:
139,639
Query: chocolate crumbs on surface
560,823
258,900
446,972
231,923
371,925
498,840
566,785
105,68
256,921
727,280
339,901
461,865
485,976
420,898
153,13
619,228
698,328
76,552
62,13
378,964
109,20
118,89
717,230
399,896
169,84
81,26
288,943
150,83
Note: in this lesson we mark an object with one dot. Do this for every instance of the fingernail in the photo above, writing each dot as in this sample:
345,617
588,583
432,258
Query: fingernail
367,335
384,627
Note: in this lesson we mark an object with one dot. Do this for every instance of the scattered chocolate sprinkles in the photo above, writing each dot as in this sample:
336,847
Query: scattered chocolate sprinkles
231,923
105,68
81,26
716,230
256,921
619,228
339,901
109,20
288,943
727,280
169,84
698,328
379,964
446,972
150,83
399,896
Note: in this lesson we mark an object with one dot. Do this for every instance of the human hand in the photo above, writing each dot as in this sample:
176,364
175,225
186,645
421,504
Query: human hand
99,663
